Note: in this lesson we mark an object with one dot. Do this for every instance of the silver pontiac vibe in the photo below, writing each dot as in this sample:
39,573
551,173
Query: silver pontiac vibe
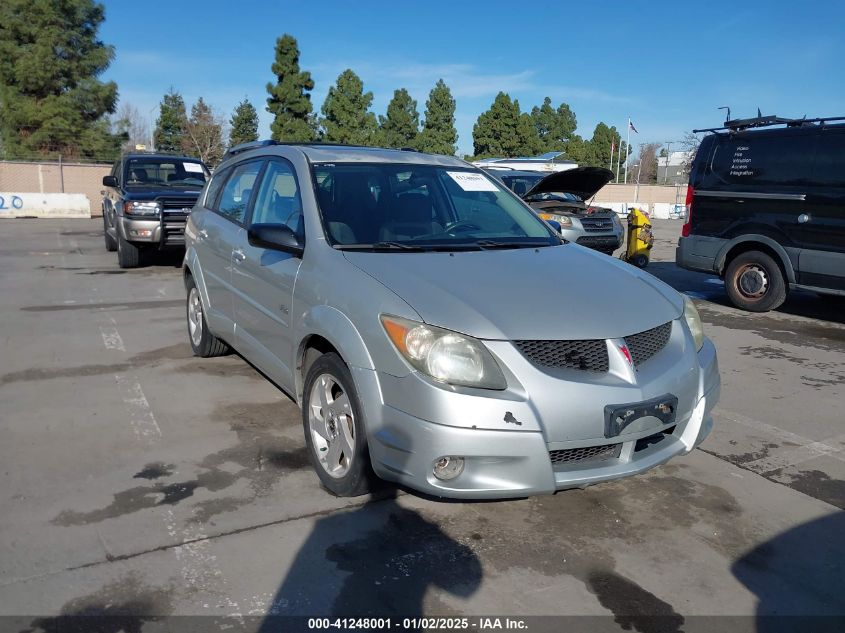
404,301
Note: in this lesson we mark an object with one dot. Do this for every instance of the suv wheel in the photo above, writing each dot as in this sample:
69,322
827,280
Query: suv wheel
334,428
203,342
754,282
111,244
128,255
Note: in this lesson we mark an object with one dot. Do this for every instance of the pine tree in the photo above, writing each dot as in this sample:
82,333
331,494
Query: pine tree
401,126
50,98
171,122
438,135
505,131
346,112
598,147
554,126
203,137
290,101
244,124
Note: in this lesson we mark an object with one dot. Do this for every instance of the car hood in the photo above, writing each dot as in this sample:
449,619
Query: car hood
552,293
584,182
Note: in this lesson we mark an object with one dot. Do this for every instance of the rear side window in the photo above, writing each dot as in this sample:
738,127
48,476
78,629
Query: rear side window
829,166
764,160
235,195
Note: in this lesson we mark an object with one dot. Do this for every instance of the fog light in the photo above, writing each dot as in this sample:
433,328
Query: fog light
447,468
140,232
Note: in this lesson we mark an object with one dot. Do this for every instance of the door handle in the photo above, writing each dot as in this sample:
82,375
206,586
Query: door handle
803,218
238,255
202,234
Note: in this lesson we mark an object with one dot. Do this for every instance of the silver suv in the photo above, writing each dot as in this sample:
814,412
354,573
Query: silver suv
399,299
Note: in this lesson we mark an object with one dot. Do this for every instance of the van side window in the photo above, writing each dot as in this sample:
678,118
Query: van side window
214,187
755,159
829,164
236,192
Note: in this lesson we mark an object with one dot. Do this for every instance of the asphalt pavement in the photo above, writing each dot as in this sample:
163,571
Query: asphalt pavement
140,482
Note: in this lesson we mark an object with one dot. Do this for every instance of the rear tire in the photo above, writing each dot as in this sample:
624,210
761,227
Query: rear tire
203,342
754,282
128,255
332,418
111,245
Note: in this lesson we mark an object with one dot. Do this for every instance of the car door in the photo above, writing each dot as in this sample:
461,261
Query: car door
821,229
217,234
263,279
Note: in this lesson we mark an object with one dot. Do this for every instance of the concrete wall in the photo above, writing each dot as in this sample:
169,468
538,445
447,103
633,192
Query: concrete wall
648,194
21,177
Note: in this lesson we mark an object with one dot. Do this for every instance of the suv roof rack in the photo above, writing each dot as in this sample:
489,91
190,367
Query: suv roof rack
736,125
245,147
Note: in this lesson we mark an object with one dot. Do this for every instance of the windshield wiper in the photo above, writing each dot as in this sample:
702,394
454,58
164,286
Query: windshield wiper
410,248
491,244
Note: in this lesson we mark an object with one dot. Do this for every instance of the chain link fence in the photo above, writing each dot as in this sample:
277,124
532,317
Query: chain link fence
20,176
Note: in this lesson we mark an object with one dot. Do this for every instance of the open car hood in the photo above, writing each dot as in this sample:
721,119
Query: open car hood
584,182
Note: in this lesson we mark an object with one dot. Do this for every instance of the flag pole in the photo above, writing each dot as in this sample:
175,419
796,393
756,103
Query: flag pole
627,145
612,143
618,157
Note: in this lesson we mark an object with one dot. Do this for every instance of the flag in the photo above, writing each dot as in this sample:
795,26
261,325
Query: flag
631,125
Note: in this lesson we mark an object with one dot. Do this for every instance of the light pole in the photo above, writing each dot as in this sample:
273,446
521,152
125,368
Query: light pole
637,190
150,115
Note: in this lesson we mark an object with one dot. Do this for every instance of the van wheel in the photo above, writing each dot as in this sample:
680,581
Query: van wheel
334,428
754,282
111,244
203,342
128,255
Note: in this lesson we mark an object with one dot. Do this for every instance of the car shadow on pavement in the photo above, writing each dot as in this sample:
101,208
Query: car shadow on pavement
797,577
378,560
710,288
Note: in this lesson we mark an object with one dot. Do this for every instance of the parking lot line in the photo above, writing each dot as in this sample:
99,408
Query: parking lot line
807,449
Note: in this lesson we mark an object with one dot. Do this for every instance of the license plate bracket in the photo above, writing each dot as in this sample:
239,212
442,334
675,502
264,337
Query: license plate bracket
617,417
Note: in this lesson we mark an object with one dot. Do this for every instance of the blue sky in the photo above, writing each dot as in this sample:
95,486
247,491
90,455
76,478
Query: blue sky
668,65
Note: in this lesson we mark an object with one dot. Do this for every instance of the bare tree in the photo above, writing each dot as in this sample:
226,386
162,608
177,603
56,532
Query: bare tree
204,134
648,162
130,121
690,144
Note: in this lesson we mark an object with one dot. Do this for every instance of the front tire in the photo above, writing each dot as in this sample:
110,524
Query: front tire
128,255
754,282
332,418
203,342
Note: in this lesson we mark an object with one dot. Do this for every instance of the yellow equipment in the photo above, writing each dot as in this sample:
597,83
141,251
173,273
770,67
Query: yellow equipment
640,238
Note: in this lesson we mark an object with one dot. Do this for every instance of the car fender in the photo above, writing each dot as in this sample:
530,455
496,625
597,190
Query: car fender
191,265
334,326
726,248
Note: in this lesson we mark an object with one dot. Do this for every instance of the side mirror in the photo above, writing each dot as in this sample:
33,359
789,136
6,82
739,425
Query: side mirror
109,181
555,225
278,237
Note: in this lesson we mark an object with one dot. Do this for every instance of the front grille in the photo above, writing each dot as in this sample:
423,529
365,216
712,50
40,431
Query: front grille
174,216
646,344
584,355
597,225
183,205
585,454
598,240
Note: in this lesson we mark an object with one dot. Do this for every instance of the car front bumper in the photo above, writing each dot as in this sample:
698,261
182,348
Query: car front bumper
167,231
609,240
518,461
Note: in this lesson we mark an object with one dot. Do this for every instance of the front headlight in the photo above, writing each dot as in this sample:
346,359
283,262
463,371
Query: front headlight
564,220
444,355
693,320
144,209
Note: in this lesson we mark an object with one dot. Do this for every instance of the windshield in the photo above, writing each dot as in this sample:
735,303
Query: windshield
164,172
422,207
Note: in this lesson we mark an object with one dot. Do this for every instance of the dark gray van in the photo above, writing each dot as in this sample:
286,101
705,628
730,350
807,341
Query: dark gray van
766,202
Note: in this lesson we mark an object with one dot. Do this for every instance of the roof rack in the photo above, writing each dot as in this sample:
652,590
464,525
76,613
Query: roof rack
736,125
245,147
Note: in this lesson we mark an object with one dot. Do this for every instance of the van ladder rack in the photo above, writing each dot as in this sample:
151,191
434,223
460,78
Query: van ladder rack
737,125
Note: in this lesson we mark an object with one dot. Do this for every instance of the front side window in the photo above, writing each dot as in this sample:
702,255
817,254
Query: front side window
278,200
165,172
234,198
422,207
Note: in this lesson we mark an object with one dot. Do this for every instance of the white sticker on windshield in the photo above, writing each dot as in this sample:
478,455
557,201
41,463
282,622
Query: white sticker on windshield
469,181
194,167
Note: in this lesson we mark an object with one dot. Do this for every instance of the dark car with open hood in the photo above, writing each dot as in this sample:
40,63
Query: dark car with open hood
563,198
146,203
